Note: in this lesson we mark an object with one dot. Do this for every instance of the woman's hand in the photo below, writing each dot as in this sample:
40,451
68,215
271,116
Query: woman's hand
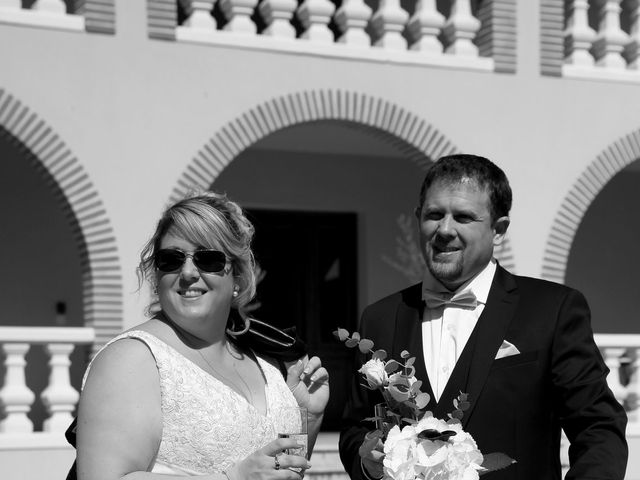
309,383
270,463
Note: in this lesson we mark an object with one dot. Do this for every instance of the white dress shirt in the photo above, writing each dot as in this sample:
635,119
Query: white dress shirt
446,329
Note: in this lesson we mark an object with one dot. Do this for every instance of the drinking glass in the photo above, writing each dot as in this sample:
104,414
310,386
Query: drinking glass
292,423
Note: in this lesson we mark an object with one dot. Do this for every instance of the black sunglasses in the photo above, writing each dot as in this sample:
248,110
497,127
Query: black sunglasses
170,259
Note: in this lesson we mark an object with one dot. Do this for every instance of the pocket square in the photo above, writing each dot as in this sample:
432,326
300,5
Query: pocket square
507,350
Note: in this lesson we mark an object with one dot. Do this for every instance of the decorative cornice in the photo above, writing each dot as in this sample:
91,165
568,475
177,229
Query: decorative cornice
420,141
78,198
607,164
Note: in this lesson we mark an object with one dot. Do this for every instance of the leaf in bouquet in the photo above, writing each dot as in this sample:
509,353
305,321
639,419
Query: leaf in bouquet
365,345
341,334
405,354
372,419
410,371
422,400
409,421
427,414
496,461
355,336
351,342
433,435
367,386
379,355
391,366
410,404
457,414
410,362
415,386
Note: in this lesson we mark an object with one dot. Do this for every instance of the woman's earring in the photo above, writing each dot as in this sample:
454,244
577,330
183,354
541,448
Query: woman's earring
235,291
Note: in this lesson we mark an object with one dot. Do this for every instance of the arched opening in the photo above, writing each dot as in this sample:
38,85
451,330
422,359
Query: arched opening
604,255
326,198
59,252
42,282
318,155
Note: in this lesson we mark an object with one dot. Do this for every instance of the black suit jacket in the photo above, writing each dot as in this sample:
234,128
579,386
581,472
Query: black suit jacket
519,403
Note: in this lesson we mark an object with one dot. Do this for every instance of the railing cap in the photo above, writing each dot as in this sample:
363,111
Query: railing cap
621,340
35,335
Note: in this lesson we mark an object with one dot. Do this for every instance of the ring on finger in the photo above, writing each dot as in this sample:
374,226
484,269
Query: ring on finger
277,461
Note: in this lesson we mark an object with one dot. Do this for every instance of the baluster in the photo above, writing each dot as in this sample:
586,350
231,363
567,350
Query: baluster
50,6
610,40
315,15
612,357
632,49
59,397
351,19
460,29
238,13
424,27
199,14
578,36
387,23
277,15
634,387
15,397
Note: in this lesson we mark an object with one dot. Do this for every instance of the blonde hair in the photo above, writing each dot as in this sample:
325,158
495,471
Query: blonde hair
210,220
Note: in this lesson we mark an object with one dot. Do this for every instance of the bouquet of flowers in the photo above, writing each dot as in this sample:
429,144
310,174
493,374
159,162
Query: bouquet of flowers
417,446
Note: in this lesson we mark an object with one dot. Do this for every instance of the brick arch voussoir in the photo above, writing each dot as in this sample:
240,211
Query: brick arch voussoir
82,207
578,200
419,140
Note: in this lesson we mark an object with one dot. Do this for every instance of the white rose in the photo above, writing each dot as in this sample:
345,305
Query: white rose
374,373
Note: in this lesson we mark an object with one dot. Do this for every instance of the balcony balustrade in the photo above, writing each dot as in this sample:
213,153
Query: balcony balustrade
42,13
347,28
602,39
59,396
17,434
466,34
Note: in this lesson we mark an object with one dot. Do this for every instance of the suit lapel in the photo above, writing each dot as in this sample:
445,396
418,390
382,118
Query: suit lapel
408,334
489,333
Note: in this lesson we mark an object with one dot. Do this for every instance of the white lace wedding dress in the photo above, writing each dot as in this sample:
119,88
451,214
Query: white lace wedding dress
207,426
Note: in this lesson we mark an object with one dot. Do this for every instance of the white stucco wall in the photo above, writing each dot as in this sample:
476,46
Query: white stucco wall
135,112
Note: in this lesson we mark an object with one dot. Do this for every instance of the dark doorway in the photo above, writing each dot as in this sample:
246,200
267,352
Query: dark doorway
310,280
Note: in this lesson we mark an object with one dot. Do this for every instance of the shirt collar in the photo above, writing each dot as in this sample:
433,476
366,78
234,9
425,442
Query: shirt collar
479,285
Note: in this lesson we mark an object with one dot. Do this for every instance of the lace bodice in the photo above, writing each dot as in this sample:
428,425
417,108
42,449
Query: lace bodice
207,426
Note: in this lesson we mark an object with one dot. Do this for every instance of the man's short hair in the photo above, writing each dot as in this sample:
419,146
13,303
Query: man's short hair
454,168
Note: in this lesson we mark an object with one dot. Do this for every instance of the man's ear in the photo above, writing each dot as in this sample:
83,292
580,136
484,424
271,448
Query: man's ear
416,212
500,230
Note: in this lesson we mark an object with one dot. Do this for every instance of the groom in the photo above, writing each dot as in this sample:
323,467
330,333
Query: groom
521,348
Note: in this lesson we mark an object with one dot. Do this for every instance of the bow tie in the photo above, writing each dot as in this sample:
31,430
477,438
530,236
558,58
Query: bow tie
466,298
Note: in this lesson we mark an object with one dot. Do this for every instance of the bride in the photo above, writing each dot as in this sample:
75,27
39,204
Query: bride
186,393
